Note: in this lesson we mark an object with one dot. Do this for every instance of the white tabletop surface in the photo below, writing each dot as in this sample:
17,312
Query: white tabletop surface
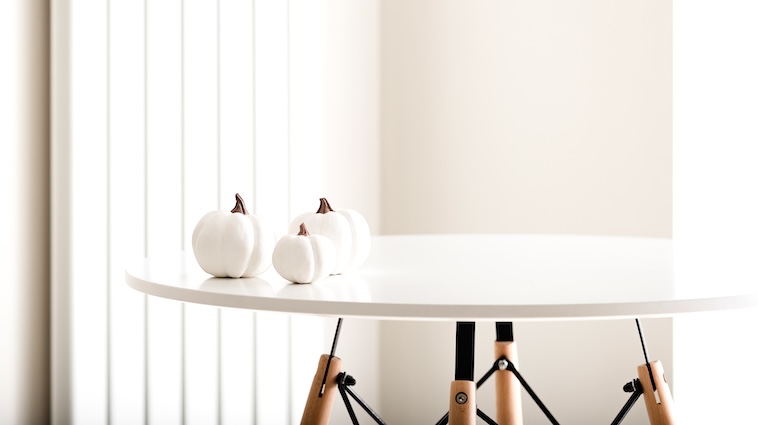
482,277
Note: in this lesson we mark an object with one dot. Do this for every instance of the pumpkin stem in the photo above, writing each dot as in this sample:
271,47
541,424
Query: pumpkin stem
324,207
303,230
240,206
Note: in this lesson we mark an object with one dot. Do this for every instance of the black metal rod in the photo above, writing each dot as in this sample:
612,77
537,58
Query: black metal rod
365,406
336,337
487,375
348,406
331,354
530,391
526,386
343,382
464,351
444,419
644,352
484,417
627,407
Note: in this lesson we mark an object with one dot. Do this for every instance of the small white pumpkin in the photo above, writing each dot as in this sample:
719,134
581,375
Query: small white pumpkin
304,258
233,244
347,229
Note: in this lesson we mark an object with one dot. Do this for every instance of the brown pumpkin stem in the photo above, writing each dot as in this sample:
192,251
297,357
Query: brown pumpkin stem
324,207
303,230
240,206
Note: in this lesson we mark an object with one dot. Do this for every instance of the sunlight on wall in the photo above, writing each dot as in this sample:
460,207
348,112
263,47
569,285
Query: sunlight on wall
174,108
162,112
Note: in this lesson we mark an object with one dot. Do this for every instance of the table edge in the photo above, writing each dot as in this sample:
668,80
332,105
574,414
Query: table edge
426,312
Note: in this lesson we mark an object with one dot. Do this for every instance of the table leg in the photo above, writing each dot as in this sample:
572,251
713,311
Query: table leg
318,407
463,388
659,413
507,386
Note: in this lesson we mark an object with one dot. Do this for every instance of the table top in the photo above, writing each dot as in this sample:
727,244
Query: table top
482,277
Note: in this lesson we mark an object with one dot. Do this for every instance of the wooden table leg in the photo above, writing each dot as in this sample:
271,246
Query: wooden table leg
463,388
462,403
507,386
318,409
659,413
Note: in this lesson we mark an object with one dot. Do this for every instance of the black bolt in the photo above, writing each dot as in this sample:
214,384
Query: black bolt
632,386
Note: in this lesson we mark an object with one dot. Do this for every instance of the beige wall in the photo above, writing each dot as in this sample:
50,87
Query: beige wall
540,116
352,167
24,191
351,107
526,117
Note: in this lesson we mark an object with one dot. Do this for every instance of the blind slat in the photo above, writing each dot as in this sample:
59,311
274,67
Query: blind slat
236,174
272,196
201,179
127,169
165,357
89,272
182,105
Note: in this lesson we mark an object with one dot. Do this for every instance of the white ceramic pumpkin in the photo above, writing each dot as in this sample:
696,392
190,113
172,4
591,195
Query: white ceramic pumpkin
347,229
233,244
304,257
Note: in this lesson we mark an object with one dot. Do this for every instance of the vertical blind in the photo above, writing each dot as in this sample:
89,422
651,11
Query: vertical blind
172,107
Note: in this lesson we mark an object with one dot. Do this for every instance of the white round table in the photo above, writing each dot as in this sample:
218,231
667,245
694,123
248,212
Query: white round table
481,277
504,278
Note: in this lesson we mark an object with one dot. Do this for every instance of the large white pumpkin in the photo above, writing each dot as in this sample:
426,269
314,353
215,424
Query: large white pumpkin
233,244
347,229
304,258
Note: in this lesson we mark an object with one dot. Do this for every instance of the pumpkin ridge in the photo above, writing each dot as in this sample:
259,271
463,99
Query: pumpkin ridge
236,250
207,237
314,260
224,262
256,263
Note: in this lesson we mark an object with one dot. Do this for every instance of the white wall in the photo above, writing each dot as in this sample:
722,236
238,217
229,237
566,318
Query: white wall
715,95
24,203
540,116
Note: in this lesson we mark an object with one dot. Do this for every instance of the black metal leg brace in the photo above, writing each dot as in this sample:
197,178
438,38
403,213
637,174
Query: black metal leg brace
484,417
504,364
464,365
344,382
509,366
635,388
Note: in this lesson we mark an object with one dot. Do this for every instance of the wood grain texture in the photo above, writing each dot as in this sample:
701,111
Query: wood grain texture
659,413
463,413
318,409
507,387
